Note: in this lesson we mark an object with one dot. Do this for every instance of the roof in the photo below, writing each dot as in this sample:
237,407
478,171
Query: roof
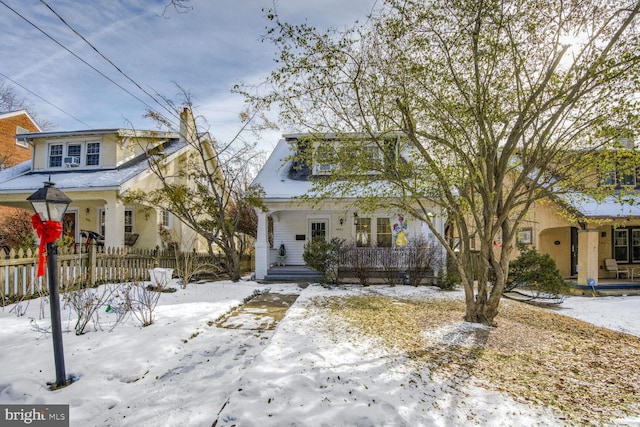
273,177
20,178
610,207
279,184
9,114
118,131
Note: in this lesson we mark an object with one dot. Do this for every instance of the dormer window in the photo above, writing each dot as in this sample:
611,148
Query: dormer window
74,154
324,160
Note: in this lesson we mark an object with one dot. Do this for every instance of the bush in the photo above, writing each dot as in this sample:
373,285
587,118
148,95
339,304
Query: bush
536,272
447,280
323,255
423,259
361,261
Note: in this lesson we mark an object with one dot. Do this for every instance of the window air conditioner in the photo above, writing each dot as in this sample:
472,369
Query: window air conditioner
71,162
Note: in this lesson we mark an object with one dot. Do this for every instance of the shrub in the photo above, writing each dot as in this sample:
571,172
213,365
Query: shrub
361,261
422,260
447,280
142,302
537,272
89,302
323,255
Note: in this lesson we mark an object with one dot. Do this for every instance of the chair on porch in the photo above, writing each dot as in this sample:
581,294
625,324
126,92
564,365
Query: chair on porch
611,265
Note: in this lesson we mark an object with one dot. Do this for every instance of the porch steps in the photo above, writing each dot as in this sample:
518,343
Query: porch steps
292,273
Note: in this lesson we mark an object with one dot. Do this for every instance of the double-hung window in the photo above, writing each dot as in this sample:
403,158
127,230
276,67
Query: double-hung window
55,155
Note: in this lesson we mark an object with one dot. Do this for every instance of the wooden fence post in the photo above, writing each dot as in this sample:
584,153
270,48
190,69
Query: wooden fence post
91,264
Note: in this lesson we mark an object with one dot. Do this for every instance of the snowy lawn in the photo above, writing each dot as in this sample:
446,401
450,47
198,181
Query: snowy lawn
342,356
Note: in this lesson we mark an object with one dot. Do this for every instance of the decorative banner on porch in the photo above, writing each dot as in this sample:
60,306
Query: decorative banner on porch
48,232
400,231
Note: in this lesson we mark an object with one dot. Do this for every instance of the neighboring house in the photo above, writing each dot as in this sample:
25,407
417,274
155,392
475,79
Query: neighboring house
95,168
292,221
13,150
581,242
580,233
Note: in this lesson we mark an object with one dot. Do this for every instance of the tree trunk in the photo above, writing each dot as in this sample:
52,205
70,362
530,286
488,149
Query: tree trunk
232,259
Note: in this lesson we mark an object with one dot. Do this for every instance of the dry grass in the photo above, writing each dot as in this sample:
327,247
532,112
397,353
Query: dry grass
590,374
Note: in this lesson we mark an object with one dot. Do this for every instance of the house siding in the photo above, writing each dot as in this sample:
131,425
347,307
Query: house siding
8,127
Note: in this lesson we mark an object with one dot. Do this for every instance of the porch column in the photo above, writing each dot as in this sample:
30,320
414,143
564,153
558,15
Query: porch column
588,256
262,246
114,224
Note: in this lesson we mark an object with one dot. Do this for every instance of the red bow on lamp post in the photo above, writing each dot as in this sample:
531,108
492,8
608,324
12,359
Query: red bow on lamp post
48,232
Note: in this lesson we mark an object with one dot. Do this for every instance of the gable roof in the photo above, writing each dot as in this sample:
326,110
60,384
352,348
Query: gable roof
9,114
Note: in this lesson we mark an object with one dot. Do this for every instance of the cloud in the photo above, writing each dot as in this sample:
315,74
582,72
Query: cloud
206,51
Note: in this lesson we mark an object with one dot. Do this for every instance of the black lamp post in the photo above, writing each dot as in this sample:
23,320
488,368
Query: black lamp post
51,204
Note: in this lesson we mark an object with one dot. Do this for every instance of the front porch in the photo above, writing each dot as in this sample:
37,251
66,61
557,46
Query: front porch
608,287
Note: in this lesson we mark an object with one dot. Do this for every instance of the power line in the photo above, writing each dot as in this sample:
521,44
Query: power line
75,55
173,113
50,103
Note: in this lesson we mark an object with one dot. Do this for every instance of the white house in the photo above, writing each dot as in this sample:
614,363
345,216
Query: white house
292,221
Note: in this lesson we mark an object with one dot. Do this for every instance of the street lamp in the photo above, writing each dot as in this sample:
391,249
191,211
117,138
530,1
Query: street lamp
50,205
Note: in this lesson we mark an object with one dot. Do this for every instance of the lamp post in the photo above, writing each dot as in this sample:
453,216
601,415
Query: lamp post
50,205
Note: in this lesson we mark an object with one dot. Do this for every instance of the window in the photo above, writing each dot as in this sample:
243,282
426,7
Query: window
608,177
21,142
620,177
128,220
628,179
626,244
324,160
372,154
55,155
635,245
363,232
93,154
165,218
318,229
621,245
383,232
74,153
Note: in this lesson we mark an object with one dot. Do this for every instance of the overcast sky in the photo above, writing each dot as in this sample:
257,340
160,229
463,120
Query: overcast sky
206,51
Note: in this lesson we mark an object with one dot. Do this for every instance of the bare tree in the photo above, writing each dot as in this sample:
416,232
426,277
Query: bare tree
10,101
210,192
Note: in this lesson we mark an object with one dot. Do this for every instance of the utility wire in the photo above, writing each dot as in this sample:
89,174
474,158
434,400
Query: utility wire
72,53
173,113
36,95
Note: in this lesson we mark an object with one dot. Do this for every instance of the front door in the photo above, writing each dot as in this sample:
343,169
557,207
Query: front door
574,251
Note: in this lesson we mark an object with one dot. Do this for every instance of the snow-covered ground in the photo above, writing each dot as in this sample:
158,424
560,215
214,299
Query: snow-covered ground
185,371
